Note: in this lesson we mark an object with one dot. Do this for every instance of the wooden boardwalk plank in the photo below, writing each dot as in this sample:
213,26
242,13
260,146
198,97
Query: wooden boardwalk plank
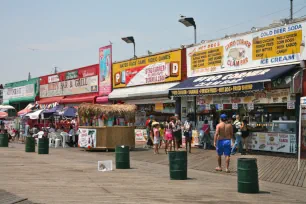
289,172
274,169
265,174
285,167
299,177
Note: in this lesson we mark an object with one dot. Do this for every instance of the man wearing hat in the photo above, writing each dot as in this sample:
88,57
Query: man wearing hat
222,141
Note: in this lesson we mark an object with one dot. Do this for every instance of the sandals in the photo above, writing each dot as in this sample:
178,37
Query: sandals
218,169
227,171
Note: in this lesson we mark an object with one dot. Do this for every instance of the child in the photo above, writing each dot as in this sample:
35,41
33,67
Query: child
161,134
156,137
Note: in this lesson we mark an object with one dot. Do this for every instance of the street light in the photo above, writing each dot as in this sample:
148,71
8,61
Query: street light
130,39
189,21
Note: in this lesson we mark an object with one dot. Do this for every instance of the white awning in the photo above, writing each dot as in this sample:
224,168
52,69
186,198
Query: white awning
142,91
34,115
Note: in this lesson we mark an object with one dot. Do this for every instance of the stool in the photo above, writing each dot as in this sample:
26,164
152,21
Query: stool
57,143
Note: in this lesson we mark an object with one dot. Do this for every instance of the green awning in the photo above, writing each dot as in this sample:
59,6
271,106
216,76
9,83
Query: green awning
22,99
6,103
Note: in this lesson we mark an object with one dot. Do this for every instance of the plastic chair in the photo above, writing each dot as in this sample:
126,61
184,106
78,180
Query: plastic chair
57,143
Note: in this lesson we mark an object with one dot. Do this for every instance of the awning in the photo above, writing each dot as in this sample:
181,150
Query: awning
244,81
34,115
102,99
22,99
50,100
78,99
146,91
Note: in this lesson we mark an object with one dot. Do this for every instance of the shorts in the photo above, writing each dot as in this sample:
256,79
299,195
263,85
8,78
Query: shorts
156,140
168,136
224,147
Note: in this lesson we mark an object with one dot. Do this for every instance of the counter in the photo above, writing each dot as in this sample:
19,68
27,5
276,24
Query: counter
106,137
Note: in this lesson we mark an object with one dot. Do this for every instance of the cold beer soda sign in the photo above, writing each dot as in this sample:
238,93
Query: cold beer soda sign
148,70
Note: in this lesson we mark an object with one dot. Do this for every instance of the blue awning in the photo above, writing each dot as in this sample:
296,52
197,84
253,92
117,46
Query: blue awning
235,82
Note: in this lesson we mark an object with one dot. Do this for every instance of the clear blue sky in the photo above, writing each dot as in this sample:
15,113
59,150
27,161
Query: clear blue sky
68,33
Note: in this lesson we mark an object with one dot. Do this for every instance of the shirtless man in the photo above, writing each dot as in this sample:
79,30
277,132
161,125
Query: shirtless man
222,141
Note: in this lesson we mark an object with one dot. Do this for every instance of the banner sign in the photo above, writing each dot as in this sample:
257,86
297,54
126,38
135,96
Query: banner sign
258,49
70,87
87,138
53,78
218,90
154,69
18,92
72,75
105,66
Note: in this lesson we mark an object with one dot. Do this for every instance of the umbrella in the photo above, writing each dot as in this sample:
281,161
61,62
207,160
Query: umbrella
34,115
70,112
6,107
3,115
26,109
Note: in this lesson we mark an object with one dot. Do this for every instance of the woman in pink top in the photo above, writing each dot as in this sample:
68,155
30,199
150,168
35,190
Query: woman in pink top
156,137
169,134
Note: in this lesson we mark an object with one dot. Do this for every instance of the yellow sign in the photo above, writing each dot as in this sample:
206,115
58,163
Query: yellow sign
207,58
159,107
277,45
153,69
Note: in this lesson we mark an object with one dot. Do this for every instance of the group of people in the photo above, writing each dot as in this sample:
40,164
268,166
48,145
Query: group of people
170,133
228,137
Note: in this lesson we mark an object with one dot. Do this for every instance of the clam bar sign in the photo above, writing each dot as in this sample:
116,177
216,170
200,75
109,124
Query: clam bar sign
70,87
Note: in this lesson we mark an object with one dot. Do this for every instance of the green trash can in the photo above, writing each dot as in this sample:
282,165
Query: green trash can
178,165
4,140
247,175
122,157
30,144
43,145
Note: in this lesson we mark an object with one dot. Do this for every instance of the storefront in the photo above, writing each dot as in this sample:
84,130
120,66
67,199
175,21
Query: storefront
20,94
257,76
70,88
145,82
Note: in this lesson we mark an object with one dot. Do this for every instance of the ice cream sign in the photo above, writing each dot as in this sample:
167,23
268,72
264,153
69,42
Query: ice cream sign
149,70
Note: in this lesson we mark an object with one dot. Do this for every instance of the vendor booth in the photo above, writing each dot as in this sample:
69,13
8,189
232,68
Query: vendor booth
106,126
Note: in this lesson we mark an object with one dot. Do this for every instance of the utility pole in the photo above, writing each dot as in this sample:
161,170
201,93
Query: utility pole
291,10
29,76
55,70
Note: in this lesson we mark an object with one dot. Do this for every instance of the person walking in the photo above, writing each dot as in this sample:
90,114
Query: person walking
237,131
244,134
156,136
149,130
169,134
188,134
222,141
177,132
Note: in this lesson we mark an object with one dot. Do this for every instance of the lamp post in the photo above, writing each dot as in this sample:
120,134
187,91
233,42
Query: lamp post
189,21
130,39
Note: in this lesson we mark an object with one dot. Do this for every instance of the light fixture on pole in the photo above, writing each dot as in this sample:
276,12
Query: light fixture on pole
130,39
189,21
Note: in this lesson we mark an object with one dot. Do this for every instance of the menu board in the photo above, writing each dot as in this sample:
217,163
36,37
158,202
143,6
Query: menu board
277,45
207,58
274,142
141,135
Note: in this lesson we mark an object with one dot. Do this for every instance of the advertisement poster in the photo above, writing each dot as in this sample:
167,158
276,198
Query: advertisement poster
140,118
18,92
70,87
105,66
141,135
153,69
258,49
87,138
274,142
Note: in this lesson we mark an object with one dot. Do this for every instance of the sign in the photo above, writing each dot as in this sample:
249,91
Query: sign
70,87
141,135
274,142
250,106
154,69
18,92
291,105
235,106
303,100
53,78
218,90
159,107
140,118
87,138
105,67
269,47
72,75
220,106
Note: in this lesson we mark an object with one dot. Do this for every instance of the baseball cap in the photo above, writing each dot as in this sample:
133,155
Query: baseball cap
151,116
223,116
234,116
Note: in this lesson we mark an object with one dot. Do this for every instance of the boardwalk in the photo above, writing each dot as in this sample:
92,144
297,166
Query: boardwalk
71,176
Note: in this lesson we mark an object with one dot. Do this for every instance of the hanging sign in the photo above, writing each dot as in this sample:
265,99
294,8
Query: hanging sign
220,106
159,107
290,105
235,106
250,106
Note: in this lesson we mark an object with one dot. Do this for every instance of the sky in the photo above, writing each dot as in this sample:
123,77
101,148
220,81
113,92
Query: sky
37,35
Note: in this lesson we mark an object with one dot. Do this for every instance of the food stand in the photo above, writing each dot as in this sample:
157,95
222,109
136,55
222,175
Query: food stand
103,127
